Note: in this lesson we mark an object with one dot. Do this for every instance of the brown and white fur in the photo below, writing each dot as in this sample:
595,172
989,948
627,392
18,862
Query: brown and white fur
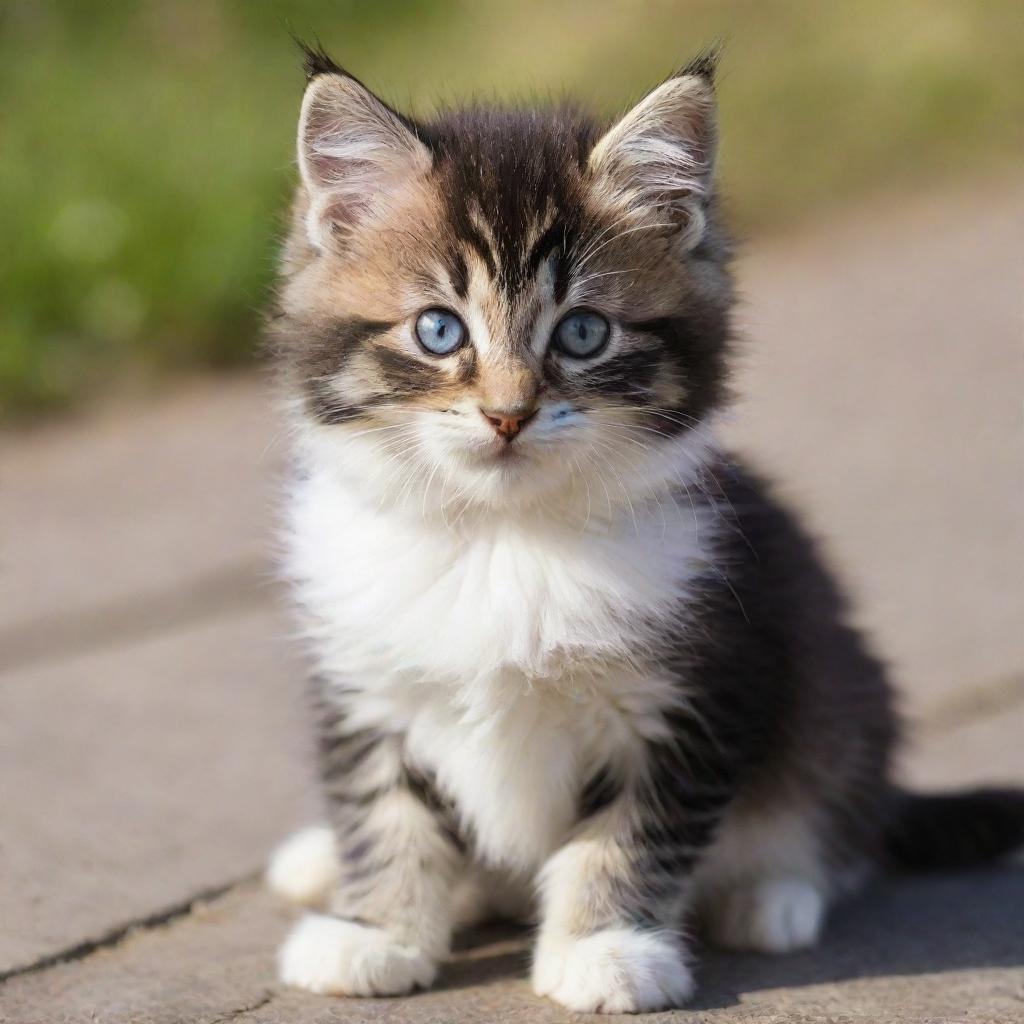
582,669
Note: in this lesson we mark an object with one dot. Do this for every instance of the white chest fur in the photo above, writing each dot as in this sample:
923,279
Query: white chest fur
513,653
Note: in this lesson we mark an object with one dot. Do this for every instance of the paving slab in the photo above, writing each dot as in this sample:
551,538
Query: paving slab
921,949
988,750
102,517
134,777
912,949
882,384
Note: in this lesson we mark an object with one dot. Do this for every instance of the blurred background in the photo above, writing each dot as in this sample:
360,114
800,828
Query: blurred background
148,145
152,739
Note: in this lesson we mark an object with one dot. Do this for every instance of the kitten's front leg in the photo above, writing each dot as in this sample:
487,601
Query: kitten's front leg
614,895
606,943
389,919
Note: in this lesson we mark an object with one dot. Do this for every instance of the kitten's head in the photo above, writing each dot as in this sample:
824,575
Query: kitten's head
503,307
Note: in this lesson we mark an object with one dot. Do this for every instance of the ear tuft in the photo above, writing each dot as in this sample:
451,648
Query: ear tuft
658,161
703,65
317,61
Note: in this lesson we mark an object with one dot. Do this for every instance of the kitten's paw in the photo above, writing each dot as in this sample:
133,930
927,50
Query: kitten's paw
304,868
329,956
619,970
776,915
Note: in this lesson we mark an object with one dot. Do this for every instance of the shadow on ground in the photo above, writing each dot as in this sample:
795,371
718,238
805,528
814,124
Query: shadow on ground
900,927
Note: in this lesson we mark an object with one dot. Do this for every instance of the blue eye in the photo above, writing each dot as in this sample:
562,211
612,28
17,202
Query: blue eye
440,331
582,334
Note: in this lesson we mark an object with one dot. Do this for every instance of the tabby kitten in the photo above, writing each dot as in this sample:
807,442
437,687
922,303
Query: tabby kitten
573,662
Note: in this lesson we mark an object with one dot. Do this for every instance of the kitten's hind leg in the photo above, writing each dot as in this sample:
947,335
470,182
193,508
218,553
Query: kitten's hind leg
764,885
305,867
768,915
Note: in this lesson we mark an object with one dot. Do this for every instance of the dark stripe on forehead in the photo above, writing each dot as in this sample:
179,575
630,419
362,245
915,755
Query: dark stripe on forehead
554,240
511,168
471,235
483,248
458,272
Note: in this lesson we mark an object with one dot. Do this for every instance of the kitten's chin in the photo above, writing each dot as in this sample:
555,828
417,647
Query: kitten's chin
500,457
512,475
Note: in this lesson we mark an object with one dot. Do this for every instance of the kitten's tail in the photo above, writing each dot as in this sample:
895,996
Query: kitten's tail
955,830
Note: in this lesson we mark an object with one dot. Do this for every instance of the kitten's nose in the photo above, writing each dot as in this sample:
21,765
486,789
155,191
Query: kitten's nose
508,422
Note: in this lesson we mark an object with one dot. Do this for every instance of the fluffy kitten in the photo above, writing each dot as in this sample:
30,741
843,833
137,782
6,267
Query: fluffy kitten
572,660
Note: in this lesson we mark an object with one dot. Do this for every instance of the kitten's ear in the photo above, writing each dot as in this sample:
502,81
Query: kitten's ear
352,149
658,161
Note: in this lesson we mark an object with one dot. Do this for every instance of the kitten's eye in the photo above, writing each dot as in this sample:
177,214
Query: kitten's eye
440,331
582,334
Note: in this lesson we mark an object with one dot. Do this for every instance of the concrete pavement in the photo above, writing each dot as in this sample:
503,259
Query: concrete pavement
152,744
920,949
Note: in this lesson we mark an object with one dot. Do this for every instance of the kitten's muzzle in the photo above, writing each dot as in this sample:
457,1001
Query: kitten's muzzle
507,423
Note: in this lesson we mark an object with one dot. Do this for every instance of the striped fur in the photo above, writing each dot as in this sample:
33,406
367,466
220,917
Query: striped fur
587,671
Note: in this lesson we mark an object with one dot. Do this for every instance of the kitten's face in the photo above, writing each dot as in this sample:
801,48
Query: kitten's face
500,307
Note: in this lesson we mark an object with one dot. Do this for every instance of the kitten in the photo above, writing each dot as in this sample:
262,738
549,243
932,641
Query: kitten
574,663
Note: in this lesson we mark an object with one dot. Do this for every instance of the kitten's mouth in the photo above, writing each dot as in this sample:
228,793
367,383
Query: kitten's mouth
500,453
507,453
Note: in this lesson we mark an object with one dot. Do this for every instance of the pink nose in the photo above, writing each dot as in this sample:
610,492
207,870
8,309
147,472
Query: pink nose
508,423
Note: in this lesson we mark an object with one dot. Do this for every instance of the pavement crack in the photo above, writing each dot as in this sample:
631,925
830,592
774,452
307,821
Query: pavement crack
114,936
971,704
250,1008
239,586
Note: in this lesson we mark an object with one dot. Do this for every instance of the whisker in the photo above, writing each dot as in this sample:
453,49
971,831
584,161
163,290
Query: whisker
622,484
629,231
600,477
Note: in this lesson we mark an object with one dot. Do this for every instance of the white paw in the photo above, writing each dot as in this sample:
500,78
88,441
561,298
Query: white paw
619,970
304,868
773,916
329,956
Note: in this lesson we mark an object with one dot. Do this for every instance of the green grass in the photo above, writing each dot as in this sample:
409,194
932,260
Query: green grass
147,146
